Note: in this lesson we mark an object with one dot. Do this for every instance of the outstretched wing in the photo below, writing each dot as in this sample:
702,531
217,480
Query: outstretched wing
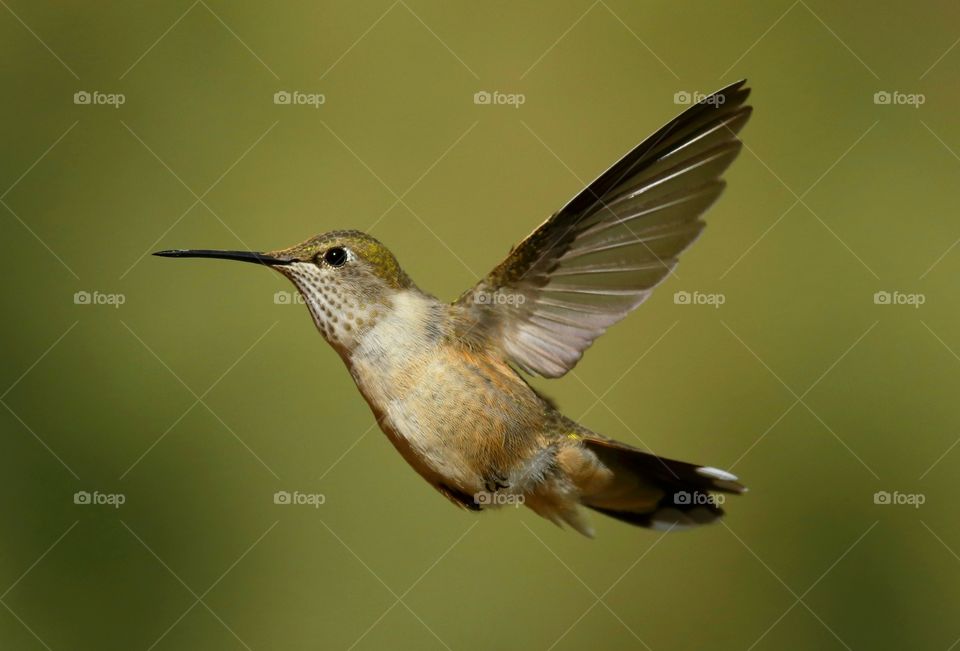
602,254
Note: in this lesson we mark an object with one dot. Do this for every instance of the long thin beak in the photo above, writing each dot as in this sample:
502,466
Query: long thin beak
242,256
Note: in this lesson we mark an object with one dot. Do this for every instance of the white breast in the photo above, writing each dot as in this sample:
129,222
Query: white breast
396,365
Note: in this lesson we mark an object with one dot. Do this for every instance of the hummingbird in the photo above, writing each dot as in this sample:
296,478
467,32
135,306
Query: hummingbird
444,381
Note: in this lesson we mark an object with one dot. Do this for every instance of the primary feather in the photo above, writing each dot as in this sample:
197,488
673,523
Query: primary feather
603,253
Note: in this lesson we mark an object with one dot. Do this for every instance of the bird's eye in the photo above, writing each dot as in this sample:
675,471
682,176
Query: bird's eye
336,256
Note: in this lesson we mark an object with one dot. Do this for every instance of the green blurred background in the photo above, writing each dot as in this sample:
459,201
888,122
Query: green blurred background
204,393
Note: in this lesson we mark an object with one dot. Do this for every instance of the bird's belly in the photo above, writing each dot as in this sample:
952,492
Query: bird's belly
453,424
412,411
427,447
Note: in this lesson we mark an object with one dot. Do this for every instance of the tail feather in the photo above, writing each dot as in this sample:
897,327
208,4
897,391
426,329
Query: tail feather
651,491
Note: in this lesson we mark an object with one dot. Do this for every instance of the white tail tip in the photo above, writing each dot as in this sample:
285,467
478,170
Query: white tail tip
716,473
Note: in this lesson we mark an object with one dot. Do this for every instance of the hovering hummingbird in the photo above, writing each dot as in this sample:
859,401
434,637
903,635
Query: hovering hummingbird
441,378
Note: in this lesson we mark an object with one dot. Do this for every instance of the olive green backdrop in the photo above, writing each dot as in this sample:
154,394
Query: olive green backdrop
192,392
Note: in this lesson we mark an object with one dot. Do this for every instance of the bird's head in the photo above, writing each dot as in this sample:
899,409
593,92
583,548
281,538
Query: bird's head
347,279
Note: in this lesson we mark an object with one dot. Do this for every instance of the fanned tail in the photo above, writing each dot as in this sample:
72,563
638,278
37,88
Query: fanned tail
650,491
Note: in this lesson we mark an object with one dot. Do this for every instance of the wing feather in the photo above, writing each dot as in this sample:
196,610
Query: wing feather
602,254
